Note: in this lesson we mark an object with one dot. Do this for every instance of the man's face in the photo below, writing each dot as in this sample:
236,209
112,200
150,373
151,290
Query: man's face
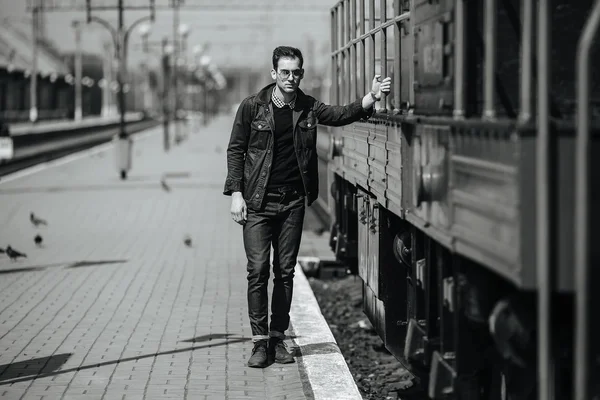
290,67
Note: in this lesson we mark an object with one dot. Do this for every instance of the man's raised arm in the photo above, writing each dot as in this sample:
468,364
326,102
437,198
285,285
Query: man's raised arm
363,108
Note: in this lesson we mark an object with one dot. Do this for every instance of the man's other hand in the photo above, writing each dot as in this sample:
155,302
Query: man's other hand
238,208
381,86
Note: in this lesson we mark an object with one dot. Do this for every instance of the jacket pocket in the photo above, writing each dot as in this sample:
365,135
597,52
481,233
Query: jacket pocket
259,134
308,132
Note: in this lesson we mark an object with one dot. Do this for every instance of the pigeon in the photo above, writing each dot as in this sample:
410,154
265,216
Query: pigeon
14,254
188,241
163,183
37,221
38,240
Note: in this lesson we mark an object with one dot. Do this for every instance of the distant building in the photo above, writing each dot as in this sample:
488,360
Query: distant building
92,73
16,60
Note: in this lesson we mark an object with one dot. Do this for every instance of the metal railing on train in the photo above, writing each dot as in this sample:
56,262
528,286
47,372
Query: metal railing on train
349,50
582,200
357,55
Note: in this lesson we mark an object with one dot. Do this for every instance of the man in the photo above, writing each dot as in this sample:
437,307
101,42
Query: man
272,173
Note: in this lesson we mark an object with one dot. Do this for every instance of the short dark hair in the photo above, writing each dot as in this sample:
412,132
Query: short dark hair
286,51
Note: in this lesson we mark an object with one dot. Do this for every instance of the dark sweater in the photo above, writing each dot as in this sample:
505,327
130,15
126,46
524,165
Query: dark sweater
284,169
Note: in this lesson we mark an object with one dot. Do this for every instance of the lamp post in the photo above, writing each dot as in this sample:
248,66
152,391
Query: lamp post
107,62
204,63
167,50
182,31
78,70
198,51
33,111
144,32
120,38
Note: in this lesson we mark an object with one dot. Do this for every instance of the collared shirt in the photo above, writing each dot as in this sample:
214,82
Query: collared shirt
280,103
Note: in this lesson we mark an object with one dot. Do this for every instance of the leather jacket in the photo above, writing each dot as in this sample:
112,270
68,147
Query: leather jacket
250,150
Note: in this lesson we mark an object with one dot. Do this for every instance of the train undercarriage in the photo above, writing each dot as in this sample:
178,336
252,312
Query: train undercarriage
463,331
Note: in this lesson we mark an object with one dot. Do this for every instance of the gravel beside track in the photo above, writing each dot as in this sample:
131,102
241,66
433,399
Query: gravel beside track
376,372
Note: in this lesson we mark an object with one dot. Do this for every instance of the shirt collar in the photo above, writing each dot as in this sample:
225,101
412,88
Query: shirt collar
279,103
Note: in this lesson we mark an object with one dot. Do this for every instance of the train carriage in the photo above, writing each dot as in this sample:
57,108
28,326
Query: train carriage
466,205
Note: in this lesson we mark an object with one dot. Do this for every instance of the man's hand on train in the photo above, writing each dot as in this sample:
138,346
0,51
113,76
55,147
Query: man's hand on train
381,86
238,208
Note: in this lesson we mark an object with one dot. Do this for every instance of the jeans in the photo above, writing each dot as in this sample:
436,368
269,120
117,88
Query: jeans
278,223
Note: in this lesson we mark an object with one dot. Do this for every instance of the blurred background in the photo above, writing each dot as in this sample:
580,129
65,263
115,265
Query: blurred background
61,59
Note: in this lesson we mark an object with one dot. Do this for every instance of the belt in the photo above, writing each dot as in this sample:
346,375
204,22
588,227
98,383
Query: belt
286,189
285,193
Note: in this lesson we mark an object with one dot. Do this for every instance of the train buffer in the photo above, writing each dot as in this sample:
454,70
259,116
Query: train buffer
139,291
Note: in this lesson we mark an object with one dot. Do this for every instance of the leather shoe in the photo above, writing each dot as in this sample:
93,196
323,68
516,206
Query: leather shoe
259,355
279,351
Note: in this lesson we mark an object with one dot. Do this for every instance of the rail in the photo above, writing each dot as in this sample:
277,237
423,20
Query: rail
459,111
544,262
582,225
349,38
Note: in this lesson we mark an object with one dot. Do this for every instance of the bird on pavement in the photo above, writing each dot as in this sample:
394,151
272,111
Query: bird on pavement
14,254
38,240
188,241
36,221
163,183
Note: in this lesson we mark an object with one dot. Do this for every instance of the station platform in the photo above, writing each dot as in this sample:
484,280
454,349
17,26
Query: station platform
114,305
40,127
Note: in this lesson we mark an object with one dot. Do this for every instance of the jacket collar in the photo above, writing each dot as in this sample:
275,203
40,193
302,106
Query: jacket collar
264,96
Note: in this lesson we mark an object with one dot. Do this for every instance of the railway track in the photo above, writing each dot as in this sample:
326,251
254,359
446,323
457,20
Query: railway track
33,149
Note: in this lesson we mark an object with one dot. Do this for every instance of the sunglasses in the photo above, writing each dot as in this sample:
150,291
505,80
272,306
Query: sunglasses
284,73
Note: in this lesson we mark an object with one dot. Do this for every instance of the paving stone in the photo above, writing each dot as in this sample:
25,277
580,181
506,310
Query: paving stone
110,306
